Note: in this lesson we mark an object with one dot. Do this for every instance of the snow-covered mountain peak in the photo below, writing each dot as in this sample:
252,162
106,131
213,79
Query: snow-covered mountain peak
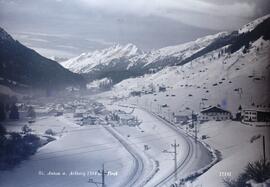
85,62
119,50
250,26
133,49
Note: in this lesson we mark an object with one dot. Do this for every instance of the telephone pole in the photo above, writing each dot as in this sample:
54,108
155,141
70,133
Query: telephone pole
103,173
194,118
174,145
264,157
175,158
195,126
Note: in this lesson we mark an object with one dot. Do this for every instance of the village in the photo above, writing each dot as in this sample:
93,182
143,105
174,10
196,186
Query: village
85,112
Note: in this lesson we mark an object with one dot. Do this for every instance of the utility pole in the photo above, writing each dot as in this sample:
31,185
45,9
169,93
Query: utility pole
194,118
174,145
103,173
264,158
196,132
169,116
103,176
194,124
175,158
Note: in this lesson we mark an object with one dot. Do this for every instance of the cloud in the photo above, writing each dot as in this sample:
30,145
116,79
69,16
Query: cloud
25,37
83,25
49,52
100,41
193,12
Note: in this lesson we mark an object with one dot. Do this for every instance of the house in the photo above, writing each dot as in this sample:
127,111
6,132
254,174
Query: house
127,119
89,120
252,115
215,113
52,111
68,108
162,89
79,112
59,113
135,93
180,119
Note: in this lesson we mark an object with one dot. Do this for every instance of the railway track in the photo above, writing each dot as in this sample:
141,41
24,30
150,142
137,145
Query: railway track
168,180
135,176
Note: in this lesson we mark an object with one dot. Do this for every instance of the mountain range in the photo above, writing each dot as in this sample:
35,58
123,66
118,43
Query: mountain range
120,62
22,65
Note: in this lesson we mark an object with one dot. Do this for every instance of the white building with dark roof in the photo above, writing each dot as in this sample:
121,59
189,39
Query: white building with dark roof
256,115
79,112
215,113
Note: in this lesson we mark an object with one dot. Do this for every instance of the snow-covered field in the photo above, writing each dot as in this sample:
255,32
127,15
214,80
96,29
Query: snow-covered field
77,156
233,140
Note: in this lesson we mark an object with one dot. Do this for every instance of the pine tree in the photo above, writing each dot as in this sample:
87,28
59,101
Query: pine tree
2,112
240,108
3,130
14,113
31,112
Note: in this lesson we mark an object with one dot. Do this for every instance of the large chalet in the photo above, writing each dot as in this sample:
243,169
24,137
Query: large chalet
215,113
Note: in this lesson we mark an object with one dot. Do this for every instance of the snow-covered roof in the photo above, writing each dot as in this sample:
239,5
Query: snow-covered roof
126,116
79,111
90,117
257,109
214,109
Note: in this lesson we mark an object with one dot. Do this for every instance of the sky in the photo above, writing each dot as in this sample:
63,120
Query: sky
67,28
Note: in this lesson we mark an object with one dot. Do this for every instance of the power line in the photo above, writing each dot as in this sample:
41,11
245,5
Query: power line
174,145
